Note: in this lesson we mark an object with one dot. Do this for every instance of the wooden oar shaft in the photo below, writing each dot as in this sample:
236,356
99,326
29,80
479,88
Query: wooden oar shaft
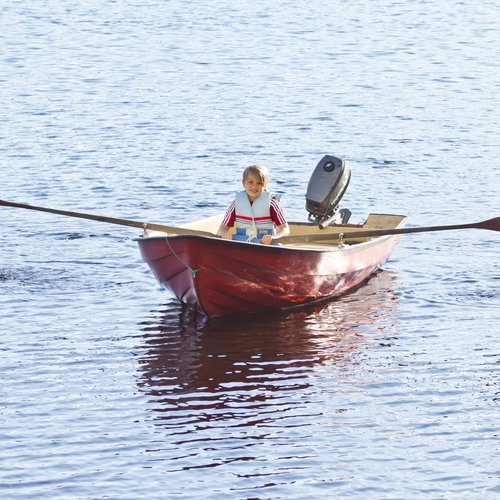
111,220
491,224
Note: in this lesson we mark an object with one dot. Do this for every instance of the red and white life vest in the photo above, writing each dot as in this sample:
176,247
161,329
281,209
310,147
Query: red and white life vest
256,214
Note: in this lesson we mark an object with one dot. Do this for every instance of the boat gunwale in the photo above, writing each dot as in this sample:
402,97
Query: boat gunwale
340,246
296,247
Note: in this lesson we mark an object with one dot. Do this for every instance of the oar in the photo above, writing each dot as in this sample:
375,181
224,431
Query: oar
111,220
490,224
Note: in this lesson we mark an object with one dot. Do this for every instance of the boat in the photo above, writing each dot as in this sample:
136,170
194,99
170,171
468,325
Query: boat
317,262
321,259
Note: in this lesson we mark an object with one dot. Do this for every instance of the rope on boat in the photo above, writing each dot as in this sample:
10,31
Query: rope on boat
193,271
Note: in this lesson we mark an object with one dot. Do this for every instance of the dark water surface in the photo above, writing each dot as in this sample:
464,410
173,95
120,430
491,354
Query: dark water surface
150,110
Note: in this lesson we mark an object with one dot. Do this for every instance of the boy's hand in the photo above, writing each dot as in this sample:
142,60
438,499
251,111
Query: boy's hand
223,232
266,239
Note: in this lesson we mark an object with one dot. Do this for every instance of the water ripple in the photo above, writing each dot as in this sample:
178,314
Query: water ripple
149,111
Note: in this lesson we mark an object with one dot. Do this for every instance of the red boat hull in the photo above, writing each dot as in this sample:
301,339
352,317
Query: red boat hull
222,277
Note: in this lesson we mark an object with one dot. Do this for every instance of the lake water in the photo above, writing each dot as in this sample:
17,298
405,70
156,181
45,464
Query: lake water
150,111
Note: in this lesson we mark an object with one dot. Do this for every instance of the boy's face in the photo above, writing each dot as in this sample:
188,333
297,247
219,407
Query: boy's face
253,186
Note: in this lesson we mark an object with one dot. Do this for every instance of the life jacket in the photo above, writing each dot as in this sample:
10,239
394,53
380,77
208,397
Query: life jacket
255,216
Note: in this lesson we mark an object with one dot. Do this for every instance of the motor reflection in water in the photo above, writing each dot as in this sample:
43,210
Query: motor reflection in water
251,369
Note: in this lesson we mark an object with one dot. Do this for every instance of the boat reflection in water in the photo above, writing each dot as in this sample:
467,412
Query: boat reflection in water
247,370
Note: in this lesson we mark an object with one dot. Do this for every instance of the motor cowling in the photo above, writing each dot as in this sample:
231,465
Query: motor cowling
326,187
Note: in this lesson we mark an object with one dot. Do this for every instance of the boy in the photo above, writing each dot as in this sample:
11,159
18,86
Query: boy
257,214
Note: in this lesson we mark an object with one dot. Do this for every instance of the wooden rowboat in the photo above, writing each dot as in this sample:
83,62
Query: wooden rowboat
221,277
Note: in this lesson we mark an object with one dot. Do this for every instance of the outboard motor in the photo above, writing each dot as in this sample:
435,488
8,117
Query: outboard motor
326,187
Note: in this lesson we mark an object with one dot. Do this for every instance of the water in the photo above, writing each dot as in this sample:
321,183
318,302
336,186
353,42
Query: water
150,110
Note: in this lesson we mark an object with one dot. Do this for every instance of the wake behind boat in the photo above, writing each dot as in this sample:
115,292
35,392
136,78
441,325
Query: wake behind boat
221,277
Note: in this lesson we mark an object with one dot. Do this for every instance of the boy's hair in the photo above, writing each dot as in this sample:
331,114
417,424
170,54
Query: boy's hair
259,171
